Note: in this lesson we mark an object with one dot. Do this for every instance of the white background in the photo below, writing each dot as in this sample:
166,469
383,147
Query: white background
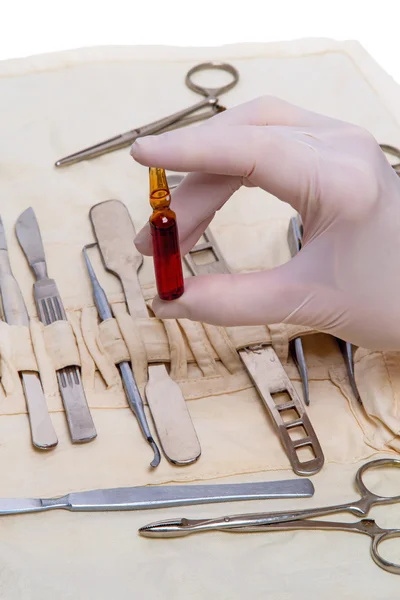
29,27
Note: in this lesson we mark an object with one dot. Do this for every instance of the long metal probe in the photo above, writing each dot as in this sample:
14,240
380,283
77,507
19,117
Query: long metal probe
131,390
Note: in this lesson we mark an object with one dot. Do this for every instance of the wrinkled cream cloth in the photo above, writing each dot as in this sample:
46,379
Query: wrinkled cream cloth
56,104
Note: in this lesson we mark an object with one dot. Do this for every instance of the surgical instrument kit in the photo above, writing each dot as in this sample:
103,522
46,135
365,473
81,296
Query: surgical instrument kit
42,431
269,377
295,241
178,119
50,309
300,519
115,233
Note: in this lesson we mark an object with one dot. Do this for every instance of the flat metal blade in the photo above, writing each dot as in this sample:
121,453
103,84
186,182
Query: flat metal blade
295,235
43,434
13,304
3,240
48,301
80,422
149,497
28,234
16,506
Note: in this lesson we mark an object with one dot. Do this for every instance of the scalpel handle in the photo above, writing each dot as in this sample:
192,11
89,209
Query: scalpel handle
14,308
43,434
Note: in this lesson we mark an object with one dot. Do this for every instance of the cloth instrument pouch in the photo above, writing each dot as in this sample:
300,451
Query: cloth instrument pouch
202,358
377,376
178,364
56,346
87,364
99,345
136,347
16,355
112,342
236,436
280,341
177,347
200,346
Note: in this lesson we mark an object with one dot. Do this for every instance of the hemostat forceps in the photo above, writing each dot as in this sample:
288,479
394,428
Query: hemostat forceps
292,520
295,240
178,119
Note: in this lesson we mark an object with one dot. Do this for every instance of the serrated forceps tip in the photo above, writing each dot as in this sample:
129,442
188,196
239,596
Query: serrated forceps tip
294,238
295,241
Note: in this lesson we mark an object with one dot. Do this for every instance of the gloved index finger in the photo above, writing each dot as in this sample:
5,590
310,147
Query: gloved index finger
276,159
267,110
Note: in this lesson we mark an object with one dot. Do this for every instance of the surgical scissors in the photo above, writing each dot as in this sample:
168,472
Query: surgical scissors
178,119
291,520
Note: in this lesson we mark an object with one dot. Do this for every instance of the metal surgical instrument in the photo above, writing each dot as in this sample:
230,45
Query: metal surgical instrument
292,520
268,375
160,496
15,313
392,151
115,233
128,380
178,119
50,309
295,241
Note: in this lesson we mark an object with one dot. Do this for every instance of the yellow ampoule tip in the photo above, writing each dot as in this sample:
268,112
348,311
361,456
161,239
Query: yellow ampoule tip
160,196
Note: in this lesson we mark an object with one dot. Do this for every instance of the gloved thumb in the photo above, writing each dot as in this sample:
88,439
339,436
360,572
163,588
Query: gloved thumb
263,297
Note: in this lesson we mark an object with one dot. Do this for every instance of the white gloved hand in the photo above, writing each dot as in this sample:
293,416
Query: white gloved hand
346,279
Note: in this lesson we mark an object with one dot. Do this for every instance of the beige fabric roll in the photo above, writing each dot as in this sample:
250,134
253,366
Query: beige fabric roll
61,345
56,104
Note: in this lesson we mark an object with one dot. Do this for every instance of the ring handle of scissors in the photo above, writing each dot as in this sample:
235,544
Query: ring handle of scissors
368,498
211,92
366,526
377,540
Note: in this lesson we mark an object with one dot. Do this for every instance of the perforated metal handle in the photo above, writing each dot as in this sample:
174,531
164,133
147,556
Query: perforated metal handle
269,377
290,418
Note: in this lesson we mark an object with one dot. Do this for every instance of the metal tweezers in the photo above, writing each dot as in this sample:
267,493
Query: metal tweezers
392,151
295,238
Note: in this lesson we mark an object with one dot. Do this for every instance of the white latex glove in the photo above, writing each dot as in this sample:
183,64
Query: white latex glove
346,279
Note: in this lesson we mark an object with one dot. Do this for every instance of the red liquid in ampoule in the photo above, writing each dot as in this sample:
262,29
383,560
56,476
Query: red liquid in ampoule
167,257
165,238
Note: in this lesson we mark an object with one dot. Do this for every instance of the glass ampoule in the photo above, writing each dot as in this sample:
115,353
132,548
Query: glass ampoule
165,238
